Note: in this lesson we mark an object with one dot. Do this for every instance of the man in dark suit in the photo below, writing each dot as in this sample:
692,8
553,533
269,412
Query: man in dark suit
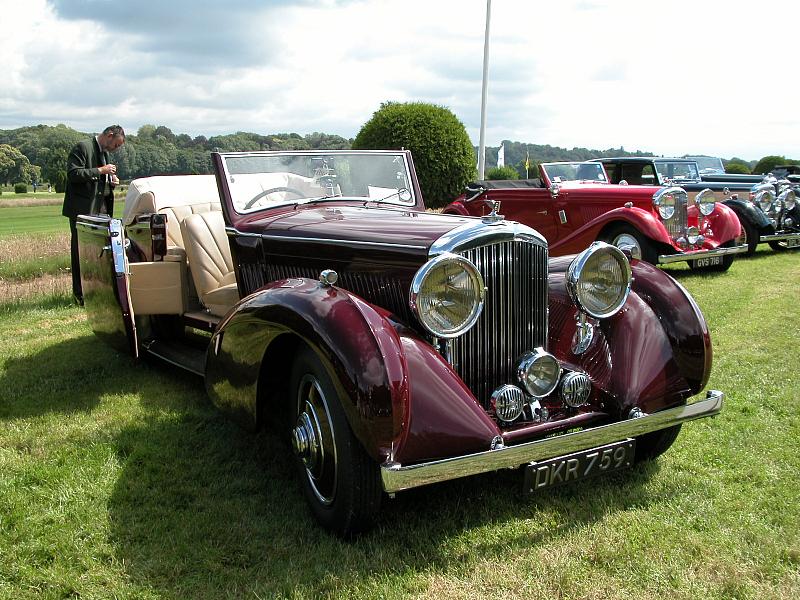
90,188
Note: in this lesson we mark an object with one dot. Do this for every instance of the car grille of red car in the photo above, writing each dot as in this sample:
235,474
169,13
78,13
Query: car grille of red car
514,317
676,226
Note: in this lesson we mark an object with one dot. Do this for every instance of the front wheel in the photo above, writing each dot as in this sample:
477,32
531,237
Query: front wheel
654,444
340,482
782,245
625,236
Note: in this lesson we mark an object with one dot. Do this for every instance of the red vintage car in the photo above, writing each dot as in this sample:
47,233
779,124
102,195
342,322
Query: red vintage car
389,346
572,204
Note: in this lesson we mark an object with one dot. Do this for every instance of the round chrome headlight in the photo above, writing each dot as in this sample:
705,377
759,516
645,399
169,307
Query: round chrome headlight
705,202
765,199
599,280
538,372
447,295
788,199
664,200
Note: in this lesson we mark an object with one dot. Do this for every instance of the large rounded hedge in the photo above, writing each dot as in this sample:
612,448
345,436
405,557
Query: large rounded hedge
442,151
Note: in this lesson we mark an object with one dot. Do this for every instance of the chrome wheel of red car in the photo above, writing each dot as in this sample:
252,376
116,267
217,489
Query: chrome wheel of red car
624,236
339,480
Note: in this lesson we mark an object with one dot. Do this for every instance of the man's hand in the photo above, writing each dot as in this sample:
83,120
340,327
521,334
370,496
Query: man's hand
114,180
108,169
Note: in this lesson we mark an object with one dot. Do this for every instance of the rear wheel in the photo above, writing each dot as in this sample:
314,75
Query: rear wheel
340,482
625,236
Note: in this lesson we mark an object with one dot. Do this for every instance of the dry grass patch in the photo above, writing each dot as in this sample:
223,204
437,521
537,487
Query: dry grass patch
27,201
46,285
30,247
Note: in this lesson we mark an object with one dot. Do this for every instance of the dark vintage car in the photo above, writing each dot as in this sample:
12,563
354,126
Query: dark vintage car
573,204
767,210
389,346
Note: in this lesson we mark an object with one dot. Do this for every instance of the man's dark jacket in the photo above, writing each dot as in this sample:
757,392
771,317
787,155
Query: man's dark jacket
85,185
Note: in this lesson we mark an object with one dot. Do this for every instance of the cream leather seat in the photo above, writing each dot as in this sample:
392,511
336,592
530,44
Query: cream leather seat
210,263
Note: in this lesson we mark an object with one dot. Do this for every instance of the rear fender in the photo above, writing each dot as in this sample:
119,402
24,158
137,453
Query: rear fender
403,402
653,354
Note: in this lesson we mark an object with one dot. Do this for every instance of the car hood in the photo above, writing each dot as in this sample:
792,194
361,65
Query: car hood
357,225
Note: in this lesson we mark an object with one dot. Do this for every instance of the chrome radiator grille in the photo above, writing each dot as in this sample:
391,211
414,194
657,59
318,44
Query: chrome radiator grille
676,226
514,317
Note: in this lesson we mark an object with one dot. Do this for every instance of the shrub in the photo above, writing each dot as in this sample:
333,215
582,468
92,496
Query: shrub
20,188
443,154
766,164
735,167
506,172
60,183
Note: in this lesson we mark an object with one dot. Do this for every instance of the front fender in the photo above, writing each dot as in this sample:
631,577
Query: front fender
745,210
457,207
638,218
653,354
402,400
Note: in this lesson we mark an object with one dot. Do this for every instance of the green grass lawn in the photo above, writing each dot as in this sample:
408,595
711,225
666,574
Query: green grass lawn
38,219
122,481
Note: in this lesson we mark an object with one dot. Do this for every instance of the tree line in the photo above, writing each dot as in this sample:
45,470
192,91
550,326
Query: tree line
39,153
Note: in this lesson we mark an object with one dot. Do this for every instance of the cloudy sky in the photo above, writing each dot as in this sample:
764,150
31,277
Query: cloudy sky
673,77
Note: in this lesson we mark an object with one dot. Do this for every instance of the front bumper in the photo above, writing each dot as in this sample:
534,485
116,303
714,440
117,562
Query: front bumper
779,237
396,477
665,259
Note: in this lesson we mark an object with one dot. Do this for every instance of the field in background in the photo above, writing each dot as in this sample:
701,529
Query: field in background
122,481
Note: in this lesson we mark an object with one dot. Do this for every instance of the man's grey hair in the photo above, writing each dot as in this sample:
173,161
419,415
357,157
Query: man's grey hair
117,130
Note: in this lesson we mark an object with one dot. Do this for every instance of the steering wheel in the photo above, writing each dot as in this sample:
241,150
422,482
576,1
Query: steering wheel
260,195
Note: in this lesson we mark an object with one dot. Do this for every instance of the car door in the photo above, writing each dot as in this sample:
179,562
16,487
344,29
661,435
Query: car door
535,207
105,278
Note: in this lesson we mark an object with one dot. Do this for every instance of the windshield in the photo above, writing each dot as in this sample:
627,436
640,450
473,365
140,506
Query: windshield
677,171
267,179
575,171
709,165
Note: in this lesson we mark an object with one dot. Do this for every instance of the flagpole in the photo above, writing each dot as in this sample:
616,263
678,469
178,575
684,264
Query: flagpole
484,88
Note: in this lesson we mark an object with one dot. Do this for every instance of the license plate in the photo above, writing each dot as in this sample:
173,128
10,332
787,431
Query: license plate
708,261
574,467
793,242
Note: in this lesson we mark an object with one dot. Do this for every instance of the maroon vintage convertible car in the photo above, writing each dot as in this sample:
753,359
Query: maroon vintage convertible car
572,204
394,347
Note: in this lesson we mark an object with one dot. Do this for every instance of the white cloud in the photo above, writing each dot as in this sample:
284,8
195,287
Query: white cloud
705,77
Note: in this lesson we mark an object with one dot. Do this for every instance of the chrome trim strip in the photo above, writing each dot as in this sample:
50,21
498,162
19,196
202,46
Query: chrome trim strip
233,232
396,477
665,259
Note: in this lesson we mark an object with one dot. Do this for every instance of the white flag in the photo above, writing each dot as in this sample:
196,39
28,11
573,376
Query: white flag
501,156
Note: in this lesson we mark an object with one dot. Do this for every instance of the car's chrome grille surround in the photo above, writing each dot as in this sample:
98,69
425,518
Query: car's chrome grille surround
677,225
514,317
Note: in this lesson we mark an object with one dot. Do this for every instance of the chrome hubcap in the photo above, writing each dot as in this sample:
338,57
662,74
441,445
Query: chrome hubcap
626,240
313,439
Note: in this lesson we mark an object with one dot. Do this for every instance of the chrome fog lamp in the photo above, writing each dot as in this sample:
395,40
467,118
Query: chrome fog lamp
666,199
705,202
575,389
693,236
508,401
788,199
447,295
538,372
599,280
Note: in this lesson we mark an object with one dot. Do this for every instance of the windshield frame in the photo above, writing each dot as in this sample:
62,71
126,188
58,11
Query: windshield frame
233,201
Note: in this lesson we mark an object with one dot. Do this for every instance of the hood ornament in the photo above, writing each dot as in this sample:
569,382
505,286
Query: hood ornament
493,216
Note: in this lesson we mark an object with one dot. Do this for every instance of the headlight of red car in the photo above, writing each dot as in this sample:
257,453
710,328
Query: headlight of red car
447,295
599,280
705,202
666,199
